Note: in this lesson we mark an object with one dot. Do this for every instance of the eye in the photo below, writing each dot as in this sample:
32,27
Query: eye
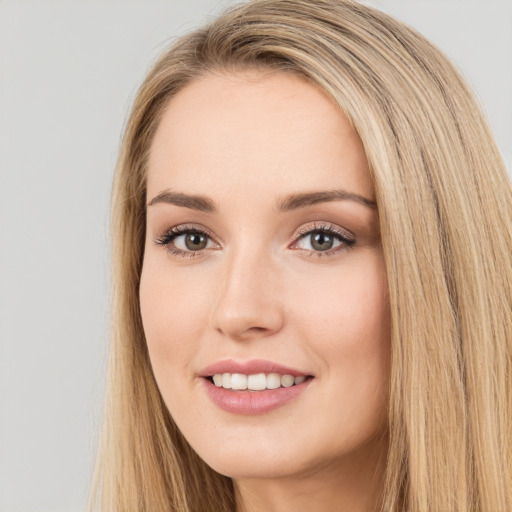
323,240
186,241
191,241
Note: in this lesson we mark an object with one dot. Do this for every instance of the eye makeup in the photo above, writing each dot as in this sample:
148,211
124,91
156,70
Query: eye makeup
321,239
325,239
192,235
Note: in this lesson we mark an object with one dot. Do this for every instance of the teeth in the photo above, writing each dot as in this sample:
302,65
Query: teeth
238,381
256,382
273,381
226,380
287,381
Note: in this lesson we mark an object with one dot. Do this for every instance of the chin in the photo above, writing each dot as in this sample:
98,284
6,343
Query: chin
248,468
254,460
275,459
259,456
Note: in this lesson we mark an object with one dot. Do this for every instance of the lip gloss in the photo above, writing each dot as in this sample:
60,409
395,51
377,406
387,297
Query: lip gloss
252,402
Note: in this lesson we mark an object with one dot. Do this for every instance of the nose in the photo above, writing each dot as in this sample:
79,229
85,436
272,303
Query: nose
248,304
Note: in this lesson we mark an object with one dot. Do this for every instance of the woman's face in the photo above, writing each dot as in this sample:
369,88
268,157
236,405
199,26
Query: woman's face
263,268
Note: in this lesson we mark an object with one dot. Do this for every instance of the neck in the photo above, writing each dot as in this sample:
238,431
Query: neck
351,484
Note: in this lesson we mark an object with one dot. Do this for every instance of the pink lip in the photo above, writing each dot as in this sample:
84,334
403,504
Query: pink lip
251,402
249,368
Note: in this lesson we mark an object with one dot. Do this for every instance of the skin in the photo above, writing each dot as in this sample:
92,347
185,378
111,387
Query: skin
261,291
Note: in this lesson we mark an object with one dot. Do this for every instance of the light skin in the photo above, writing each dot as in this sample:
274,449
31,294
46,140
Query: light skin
300,282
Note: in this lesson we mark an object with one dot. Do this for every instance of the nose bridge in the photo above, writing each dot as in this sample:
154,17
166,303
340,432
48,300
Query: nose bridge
247,302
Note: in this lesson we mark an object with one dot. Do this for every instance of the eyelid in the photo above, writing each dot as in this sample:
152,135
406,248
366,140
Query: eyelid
184,228
324,226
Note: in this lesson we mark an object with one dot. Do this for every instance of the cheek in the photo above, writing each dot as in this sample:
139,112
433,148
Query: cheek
347,323
174,313
347,309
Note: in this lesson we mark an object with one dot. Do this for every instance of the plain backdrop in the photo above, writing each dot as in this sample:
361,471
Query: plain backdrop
68,71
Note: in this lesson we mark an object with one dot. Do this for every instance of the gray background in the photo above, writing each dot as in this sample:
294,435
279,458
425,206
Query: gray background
68,71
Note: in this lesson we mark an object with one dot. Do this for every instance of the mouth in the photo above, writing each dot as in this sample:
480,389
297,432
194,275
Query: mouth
253,387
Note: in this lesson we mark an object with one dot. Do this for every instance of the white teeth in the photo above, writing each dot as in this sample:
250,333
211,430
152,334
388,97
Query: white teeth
273,381
287,381
256,382
226,380
238,381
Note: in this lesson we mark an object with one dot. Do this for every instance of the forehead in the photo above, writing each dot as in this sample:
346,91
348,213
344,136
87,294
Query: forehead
255,130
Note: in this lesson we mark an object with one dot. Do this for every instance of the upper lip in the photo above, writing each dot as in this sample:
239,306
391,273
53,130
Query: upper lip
250,367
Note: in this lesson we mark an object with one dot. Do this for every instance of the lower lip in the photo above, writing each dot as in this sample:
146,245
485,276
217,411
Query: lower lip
253,402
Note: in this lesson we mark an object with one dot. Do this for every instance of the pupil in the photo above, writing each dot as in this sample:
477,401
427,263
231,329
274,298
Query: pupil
195,241
322,242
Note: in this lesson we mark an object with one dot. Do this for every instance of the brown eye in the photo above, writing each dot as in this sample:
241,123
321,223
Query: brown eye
181,240
321,241
195,241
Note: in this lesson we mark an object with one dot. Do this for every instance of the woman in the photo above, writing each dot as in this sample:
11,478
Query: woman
312,265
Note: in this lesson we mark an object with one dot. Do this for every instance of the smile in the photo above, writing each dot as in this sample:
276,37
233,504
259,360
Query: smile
253,387
255,382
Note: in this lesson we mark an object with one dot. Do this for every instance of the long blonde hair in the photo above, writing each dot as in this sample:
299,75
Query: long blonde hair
445,206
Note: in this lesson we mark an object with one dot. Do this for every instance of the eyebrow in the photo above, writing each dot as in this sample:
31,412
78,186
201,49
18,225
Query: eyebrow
295,201
288,203
194,202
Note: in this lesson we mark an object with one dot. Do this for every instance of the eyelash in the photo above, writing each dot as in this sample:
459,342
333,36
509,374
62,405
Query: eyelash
169,236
